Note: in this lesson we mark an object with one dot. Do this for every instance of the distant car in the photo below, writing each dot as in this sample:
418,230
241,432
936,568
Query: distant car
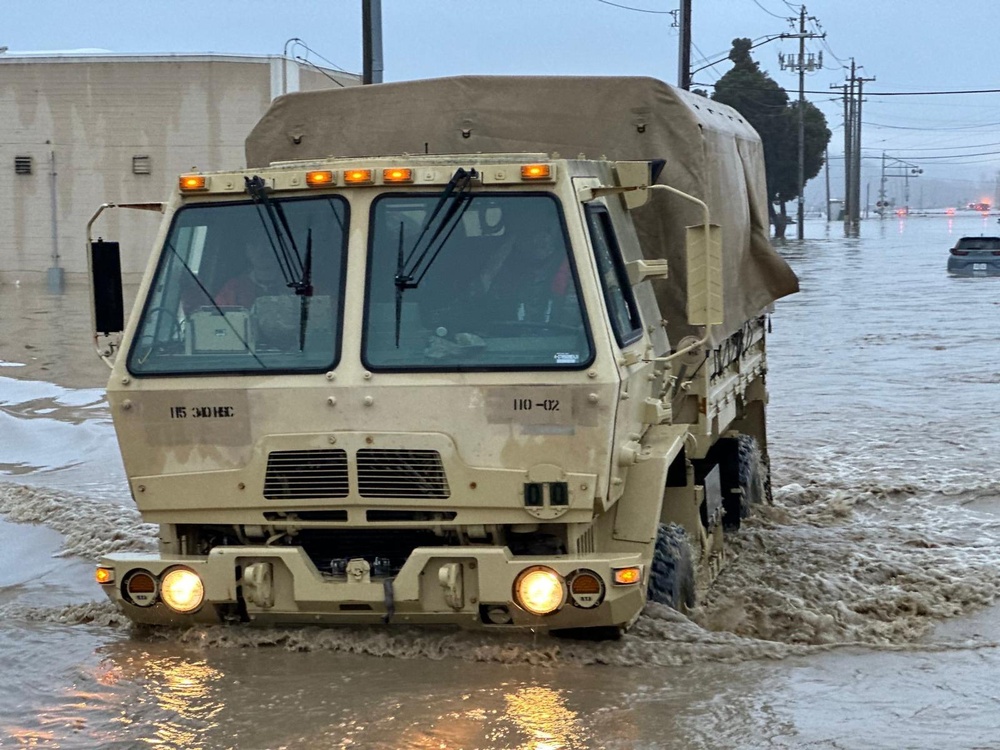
975,256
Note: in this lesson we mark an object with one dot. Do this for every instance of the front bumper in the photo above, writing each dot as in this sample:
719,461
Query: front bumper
471,587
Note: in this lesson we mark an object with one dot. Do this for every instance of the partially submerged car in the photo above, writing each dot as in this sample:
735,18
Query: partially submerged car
975,256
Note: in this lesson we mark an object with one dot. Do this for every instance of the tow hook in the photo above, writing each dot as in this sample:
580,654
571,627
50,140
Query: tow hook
450,578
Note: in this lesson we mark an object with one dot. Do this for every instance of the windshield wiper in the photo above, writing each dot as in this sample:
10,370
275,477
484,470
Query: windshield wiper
409,275
457,189
293,268
307,281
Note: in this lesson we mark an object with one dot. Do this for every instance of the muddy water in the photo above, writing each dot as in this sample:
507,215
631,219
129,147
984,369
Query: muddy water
858,612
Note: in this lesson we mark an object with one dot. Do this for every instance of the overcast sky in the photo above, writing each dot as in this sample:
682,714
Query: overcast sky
906,45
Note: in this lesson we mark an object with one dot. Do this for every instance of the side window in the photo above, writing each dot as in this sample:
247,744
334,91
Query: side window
624,312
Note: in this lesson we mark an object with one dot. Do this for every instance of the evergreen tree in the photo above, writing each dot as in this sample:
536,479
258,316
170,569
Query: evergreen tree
765,105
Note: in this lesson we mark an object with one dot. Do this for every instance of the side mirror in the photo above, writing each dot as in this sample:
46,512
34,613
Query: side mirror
106,287
634,175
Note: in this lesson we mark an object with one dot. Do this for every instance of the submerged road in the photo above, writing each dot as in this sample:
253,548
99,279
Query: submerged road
858,612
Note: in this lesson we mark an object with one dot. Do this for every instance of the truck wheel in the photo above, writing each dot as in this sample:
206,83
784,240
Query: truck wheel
744,480
671,576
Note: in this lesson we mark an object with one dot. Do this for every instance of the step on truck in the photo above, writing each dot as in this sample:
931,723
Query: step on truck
481,351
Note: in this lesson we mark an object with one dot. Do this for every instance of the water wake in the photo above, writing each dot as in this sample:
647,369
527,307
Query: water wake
825,566
91,528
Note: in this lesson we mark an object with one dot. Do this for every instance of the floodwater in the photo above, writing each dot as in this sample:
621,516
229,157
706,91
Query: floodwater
859,611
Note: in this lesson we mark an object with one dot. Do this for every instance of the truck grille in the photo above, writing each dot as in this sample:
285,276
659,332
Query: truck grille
306,474
401,473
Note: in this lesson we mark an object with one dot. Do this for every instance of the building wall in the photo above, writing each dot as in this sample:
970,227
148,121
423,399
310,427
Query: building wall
82,121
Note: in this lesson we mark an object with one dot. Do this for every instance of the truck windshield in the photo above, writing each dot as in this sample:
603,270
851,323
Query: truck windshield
227,299
496,289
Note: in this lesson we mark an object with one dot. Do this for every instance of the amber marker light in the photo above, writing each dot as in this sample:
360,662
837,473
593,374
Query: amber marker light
397,175
359,177
190,182
539,590
182,590
586,589
535,172
626,576
104,575
319,178
586,583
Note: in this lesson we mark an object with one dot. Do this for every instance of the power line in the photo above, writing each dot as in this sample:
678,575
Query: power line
716,74
723,56
948,148
933,93
820,30
299,43
957,156
912,127
637,10
318,69
892,93
783,18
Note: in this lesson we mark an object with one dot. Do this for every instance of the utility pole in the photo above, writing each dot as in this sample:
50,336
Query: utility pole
826,170
881,191
853,92
684,46
856,217
847,152
899,168
802,64
802,124
849,166
371,38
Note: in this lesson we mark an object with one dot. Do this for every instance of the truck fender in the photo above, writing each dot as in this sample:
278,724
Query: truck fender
638,510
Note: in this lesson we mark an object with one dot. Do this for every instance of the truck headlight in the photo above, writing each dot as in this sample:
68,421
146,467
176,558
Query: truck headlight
182,590
539,590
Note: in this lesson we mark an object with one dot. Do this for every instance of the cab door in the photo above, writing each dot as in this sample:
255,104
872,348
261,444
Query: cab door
623,317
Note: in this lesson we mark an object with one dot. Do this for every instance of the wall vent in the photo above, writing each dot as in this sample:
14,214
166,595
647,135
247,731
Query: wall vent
141,165
22,165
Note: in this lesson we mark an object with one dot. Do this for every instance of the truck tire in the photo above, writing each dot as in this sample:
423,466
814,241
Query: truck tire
744,480
671,575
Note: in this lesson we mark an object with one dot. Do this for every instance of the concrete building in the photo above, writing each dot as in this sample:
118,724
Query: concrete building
81,129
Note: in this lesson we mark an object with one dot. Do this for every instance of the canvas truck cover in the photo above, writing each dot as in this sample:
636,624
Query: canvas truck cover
711,152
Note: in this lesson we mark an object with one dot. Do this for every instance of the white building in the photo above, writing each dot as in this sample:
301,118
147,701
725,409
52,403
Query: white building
82,129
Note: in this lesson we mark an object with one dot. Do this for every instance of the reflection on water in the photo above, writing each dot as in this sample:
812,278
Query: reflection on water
182,691
171,702
542,719
507,717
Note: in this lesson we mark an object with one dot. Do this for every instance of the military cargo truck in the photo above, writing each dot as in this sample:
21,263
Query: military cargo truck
481,351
